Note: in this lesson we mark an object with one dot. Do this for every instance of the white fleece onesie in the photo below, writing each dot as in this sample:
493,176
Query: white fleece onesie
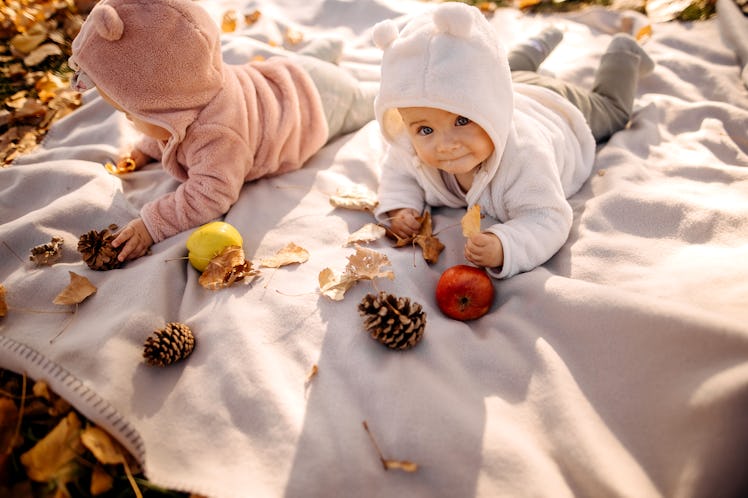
451,59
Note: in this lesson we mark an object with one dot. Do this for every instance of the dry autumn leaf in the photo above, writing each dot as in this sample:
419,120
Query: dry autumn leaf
227,268
228,21
103,447
471,221
288,255
364,264
429,243
404,465
367,233
252,17
47,254
356,197
3,303
55,457
77,290
294,36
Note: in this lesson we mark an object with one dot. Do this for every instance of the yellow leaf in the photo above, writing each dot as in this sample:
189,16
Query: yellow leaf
356,197
228,22
286,256
294,37
55,457
252,17
333,284
471,221
24,43
40,53
106,450
77,291
227,268
523,4
367,233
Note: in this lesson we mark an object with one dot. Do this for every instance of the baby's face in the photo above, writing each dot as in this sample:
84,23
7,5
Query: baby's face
445,140
144,127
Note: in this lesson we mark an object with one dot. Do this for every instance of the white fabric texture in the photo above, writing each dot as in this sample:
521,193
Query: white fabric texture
451,59
616,369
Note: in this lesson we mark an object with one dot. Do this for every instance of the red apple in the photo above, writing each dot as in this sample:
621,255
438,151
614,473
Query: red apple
464,292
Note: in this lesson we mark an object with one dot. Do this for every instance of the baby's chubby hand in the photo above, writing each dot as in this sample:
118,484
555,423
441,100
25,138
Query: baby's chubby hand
135,238
404,222
484,249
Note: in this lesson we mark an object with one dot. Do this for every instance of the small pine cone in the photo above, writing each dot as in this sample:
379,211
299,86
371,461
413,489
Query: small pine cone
168,345
97,251
394,321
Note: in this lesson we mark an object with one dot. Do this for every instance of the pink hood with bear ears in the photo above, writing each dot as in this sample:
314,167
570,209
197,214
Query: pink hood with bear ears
160,61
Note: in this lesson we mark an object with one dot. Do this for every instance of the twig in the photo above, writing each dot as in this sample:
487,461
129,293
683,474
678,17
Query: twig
67,324
376,446
13,253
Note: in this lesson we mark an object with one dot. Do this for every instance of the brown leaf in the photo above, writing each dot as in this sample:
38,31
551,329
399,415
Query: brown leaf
252,17
430,245
8,425
101,481
471,221
55,457
77,291
40,53
227,268
47,254
288,255
3,304
356,197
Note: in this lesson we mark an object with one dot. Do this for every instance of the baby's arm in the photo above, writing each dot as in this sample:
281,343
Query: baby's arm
404,222
135,238
485,249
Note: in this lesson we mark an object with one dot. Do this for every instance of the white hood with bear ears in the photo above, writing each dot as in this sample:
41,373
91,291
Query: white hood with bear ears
450,59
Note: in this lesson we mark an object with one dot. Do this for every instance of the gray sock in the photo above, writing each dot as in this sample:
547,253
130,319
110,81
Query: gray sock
529,54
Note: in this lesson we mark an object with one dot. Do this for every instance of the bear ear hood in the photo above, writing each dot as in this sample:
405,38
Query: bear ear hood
158,59
448,58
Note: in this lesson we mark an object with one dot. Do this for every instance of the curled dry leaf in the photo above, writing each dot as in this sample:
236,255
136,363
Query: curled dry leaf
294,36
103,447
47,254
124,165
288,255
252,17
3,303
227,268
471,221
364,264
356,197
77,291
367,233
430,245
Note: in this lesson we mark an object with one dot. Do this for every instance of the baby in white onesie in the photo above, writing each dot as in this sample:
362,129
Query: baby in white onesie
469,124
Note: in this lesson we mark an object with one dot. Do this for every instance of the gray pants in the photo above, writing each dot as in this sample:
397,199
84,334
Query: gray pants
608,106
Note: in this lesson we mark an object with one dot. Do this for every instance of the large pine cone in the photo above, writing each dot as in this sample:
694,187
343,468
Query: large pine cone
168,345
394,321
97,251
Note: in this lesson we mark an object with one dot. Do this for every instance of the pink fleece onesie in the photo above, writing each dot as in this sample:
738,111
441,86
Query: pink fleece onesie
160,60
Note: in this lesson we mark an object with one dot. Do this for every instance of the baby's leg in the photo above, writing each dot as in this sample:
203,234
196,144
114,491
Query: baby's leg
528,55
615,85
348,104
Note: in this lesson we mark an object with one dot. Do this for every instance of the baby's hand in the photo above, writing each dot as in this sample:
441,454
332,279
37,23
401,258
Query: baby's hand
484,249
136,238
404,222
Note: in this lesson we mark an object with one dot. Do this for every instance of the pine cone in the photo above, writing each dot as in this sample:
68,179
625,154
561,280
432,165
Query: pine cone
168,345
394,321
97,251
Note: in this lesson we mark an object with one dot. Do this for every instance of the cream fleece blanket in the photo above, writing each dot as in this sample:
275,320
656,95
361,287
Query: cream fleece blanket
619,368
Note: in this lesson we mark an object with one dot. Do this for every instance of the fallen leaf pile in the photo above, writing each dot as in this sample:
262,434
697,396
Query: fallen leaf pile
61,451
34,84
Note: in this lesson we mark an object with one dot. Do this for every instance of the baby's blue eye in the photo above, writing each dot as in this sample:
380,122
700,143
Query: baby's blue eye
462,121
425,130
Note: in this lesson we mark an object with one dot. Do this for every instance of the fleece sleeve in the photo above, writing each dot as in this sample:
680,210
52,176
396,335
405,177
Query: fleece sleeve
398,184
215,177
537,217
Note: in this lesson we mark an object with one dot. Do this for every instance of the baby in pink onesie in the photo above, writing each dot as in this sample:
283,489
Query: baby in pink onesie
213,125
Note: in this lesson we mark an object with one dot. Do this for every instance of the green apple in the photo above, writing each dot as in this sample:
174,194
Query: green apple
209,240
